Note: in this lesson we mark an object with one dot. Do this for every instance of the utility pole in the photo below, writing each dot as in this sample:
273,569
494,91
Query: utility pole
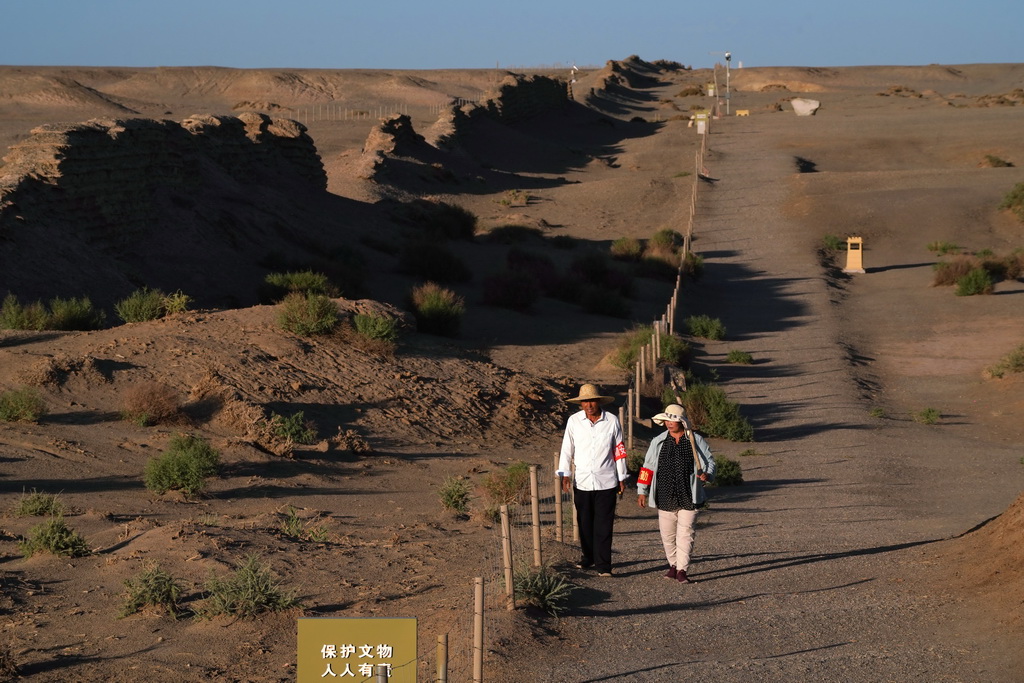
728,58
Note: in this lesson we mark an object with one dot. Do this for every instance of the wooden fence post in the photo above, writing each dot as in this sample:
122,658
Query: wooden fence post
559,535
535,510
506,551
442,658
478,630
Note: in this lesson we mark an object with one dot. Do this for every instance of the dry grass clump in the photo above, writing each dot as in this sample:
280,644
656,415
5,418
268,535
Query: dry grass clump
1013,362
152,403
55,537
21,405
437,310
152,587
246,593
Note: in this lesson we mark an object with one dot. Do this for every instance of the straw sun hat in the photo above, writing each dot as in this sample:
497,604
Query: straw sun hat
673,413
589,392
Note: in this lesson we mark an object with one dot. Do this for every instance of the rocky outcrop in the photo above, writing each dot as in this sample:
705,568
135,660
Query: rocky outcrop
516,98
105,175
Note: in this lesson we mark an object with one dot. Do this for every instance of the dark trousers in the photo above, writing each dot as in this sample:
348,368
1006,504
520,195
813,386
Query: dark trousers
595,513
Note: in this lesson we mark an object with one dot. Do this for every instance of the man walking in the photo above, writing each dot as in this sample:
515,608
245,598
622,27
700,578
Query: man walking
593,463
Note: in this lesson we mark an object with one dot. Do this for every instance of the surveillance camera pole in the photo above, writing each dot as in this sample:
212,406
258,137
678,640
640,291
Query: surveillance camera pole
728,58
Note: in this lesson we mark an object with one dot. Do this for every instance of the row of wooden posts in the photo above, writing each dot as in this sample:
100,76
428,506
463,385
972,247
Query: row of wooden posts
646,364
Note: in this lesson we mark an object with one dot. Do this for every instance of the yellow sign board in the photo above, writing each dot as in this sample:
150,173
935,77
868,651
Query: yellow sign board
351,649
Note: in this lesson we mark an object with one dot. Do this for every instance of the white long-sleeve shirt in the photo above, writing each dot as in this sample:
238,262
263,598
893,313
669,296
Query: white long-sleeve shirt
596,450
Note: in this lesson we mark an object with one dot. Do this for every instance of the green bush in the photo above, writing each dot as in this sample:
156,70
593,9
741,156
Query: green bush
437,310
141,305
454,494
675,351
876,412
705,327
439,220
833,243
56,537
635,458
627,352
510,485
626,249
184,466
947,273
39,504
927,416
692,266
15,316
246,593
152,587
295,428
992,161
178,302
295,527
74,314
977,281
714,414
376,327
942,248
307,314
1013,362
543,588
666,240
739,357
514,234
277,286
1014,201
727,472
511,289
21,405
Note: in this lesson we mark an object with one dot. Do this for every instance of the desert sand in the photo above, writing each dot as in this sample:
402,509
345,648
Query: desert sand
863,545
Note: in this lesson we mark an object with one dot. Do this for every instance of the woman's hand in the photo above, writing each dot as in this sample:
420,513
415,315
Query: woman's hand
641,500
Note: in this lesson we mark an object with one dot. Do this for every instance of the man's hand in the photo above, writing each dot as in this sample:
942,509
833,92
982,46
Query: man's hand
641,500
622,487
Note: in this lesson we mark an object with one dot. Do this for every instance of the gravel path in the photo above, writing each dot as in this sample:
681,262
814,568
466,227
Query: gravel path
822,566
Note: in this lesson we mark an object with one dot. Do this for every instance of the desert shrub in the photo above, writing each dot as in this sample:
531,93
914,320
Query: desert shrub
141,305
705,326
184,466
943,248
151,403
454,494
277,286
55,537
514,234
626,249
178,302
992,161
714,414
152,587
17,316
976,281
377,327
515,198
655,268
727,472
296,428
833,243
739,357
948,272
249,591
39,504
748,452
510,485
876,412
692,266
74,314
511,289
666,240
627,352
675,351
305,530
543,588
442,220
927,416
1012,362
635,457
21,405
307,314
1014,201
434,262
437,310
537,266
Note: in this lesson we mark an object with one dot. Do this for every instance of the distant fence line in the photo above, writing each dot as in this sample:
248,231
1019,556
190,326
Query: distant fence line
333,111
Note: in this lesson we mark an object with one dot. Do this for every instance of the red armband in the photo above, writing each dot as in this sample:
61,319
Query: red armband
645,477
620,451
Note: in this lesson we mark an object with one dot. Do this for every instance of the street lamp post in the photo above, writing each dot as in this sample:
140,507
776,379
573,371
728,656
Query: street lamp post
728,58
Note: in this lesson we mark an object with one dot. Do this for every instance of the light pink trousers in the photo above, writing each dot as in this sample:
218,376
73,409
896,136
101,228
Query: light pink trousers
677,536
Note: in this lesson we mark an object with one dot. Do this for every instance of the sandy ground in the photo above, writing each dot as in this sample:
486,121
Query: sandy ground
842,557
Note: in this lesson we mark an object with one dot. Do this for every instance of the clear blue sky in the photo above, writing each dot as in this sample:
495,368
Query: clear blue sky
428,34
